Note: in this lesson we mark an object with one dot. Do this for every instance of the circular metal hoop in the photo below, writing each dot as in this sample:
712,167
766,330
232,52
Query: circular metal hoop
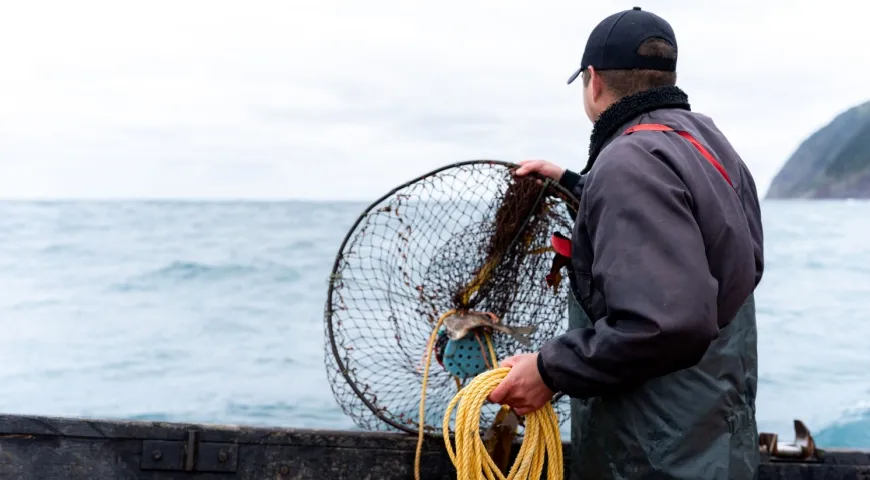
341,365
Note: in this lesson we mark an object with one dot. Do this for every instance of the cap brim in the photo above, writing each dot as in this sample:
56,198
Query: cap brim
576,74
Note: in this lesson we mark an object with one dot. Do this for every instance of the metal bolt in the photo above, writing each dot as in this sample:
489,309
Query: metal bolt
285,469
156,454
222,456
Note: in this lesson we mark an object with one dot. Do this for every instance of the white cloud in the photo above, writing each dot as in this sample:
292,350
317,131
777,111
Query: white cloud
345,99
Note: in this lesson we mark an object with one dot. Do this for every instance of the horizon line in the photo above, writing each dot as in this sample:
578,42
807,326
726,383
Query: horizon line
277,199
183,199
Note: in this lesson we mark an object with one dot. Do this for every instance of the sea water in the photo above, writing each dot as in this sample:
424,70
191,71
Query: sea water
213,312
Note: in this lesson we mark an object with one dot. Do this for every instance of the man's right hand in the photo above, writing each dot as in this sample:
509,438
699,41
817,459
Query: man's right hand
542,167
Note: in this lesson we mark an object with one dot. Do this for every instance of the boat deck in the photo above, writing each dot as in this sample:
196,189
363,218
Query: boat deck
83,449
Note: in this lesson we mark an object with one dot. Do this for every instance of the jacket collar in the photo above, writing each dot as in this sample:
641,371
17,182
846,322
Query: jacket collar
628,108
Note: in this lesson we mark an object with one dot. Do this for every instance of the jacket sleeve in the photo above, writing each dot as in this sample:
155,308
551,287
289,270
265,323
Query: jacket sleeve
572,181
651,266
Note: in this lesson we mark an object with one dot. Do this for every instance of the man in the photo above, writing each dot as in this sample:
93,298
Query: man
661,360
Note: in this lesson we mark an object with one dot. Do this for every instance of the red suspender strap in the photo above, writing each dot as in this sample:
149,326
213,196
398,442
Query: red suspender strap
562,245
655,127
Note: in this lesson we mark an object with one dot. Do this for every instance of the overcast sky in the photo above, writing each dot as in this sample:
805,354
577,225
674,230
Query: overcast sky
330,99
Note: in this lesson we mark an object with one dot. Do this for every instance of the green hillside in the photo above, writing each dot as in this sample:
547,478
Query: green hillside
834,162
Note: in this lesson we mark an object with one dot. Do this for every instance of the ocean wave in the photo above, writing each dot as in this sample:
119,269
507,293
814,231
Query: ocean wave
61,249
178,272
150,417
264,410
852,430
193,270
323,415
35,304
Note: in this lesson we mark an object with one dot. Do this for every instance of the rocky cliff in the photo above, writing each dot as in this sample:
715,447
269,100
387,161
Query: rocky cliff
834,162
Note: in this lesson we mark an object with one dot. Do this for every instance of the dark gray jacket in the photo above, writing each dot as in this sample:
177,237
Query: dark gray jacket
661,360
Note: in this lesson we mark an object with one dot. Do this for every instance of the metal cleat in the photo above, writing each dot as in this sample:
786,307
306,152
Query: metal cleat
802,449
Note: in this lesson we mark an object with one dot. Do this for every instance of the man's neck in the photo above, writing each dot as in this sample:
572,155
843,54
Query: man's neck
628,108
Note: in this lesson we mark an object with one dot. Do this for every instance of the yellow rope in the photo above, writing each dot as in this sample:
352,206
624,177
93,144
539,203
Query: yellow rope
430,347
541,439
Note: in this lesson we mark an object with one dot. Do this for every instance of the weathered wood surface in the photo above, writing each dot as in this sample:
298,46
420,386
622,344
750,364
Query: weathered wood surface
82,449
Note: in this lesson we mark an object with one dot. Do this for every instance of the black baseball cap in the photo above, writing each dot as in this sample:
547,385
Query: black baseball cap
613,44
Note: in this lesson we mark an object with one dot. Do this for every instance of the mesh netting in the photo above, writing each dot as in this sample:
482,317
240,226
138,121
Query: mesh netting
470,235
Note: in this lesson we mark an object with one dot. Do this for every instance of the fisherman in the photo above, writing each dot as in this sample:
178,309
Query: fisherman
660,361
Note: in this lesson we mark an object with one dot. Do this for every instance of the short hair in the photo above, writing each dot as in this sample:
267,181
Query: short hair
622,83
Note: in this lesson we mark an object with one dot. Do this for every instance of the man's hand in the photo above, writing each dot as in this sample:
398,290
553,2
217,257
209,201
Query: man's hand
522,388
541,167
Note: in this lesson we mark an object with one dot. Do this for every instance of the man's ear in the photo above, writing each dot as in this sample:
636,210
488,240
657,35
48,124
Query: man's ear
595,84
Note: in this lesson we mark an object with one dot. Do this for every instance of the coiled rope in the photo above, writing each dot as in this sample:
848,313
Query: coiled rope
541,440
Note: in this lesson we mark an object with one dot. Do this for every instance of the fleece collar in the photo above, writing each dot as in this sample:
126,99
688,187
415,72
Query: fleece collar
628,108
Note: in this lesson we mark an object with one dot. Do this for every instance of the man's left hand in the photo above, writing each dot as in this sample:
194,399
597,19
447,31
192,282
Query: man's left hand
522,389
